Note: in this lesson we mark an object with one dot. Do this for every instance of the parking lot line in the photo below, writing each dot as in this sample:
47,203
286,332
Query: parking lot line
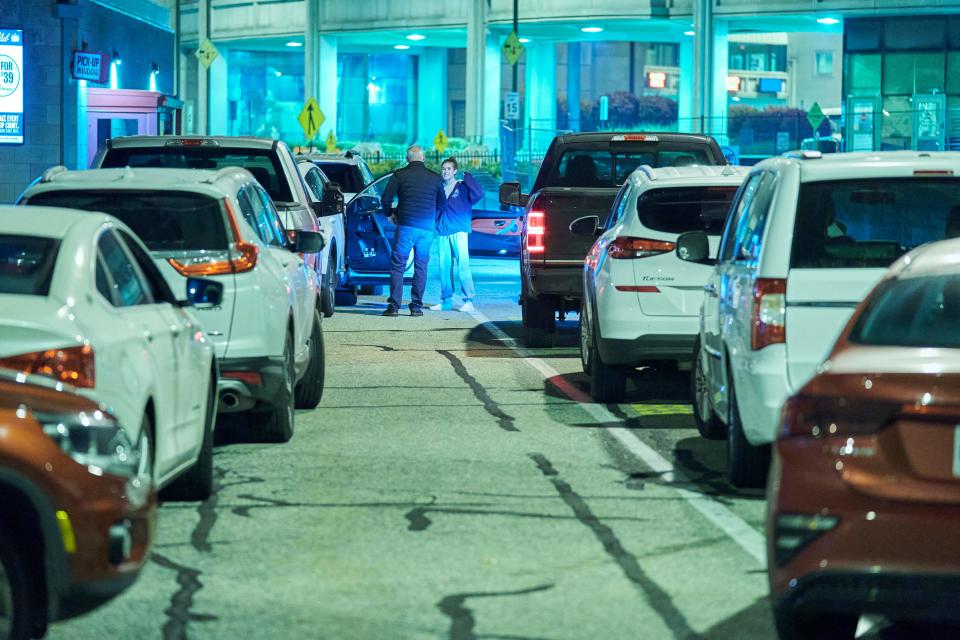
748,538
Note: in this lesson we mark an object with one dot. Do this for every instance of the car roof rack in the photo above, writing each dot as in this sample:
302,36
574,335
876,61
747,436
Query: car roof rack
647,170
808,154
51,173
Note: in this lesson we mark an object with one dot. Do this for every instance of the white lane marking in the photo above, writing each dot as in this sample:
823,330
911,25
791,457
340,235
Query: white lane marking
748,538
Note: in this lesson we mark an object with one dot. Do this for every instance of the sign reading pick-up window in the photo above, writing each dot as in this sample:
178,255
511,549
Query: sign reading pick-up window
11,86
90,66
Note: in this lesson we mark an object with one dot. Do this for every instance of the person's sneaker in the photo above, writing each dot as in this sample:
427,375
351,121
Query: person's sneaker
445,305
416,311
391,311
468,306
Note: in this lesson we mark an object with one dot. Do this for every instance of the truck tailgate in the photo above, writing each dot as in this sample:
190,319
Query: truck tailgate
561,206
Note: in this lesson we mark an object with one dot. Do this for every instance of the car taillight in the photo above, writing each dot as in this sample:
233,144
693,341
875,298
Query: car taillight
769,313
536,228
810,416
73,365
626,247
242,257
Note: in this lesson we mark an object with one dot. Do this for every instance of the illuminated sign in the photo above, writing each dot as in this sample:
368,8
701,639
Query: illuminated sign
657,80
770,85
89,66
733,83
11,86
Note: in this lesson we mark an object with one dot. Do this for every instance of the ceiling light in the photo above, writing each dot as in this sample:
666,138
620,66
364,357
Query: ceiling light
690,33
294,43
591,29
401,47
416,37
828,21
524,40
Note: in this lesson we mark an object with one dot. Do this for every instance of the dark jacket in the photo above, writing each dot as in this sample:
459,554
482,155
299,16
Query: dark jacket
459,211
420,196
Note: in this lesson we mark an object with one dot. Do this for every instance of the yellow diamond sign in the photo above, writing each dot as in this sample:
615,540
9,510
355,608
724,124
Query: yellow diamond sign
331,142
311,118
512,48
440,141
206,53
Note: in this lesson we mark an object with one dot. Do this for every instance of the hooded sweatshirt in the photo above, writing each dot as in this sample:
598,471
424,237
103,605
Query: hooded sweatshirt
458,214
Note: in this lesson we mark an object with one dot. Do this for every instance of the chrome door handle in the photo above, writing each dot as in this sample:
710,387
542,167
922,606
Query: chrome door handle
710,288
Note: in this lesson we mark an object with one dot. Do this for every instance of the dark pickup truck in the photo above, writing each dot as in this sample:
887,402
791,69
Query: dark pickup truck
580,176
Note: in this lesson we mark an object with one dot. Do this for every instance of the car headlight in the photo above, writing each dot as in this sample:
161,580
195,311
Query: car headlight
94,440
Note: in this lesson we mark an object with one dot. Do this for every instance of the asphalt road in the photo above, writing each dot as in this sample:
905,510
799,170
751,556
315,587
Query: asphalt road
452,486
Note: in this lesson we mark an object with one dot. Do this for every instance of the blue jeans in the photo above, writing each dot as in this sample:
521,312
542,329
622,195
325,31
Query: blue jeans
455,248
405,240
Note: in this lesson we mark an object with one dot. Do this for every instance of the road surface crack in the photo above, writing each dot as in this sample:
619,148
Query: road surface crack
178,613
504,420
462,621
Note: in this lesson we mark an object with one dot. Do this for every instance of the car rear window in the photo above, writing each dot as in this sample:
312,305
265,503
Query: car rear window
679,210
26,264
609,168
913,312
264,165
164,220
348,176
871,222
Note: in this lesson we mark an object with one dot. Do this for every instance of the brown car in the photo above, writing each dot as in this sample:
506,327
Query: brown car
77,508
864,493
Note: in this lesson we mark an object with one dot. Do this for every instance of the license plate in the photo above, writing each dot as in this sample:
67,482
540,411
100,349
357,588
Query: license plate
956,451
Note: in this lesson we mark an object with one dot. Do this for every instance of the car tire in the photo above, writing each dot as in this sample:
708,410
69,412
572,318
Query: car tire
196,484
585,339
608,384
747,465
278,426
346,296
539,323
708,422
371,289
309,390
16,596
792,625
328,289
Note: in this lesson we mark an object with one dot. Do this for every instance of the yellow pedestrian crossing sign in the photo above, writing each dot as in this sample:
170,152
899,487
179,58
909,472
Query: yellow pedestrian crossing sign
816,116
206,53
311,118
440,141
512,48
331,142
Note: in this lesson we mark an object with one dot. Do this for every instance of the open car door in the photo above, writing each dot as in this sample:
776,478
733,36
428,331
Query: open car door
369,237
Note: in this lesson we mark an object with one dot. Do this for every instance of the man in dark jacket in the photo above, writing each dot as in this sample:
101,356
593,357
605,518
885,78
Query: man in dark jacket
420,201
453,227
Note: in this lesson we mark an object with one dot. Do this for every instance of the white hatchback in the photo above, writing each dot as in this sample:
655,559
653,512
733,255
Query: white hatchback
641,303
83,303
807,238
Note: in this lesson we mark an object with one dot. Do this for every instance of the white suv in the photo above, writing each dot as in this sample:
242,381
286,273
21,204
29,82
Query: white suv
641,303
349,170
223,226
332,222
807,238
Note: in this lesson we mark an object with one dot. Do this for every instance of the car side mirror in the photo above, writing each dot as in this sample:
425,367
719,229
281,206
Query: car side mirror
305,242
511,195
203,293
332,201
585,226
693,246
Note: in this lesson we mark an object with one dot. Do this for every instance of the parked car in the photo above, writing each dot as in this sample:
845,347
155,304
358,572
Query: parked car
808,236
862,504
641,302
222,225
348,169
270,161
83,303
74,539
495,233
581,175
332,223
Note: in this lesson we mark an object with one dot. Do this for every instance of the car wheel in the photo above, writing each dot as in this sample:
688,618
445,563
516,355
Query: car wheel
792,625
347,296
708,423
196,484
539,323
328,291
16,602
608,384
584,339
747,464
278,426
310,389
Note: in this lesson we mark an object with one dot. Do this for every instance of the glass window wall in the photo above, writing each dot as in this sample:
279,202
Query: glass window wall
265,94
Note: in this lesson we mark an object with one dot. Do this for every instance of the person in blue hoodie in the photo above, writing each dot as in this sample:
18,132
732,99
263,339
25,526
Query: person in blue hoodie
453,227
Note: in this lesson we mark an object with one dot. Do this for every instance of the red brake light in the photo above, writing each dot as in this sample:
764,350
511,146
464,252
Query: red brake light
769,313
73,365
812,416
536,228
626,247
242,257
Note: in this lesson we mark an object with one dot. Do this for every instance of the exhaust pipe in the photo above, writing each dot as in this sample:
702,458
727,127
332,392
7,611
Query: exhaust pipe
229,400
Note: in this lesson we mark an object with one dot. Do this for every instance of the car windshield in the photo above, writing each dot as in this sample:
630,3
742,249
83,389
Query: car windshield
348,176
679,210
26,264
164,220
913,312
871,222
609,168
263,164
